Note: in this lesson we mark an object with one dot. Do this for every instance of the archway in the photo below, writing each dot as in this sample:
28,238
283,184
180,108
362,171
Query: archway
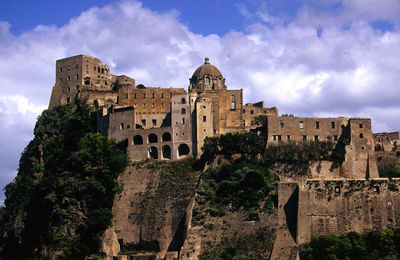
183,149
166,137
137,139
378,147
153,152
166,152
153,138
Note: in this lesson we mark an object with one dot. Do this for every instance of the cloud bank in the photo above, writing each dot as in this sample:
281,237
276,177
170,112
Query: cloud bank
327,60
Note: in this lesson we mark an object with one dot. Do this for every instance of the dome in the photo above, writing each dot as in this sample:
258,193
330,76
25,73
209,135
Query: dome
206,69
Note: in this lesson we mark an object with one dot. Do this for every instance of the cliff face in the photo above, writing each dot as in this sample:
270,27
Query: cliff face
150,212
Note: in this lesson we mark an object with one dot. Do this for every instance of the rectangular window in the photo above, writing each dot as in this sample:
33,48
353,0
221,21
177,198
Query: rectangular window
204,118
304,138
134,95
134,105
279,138
162,95
335,138
183,121
361,126
77,76
153,105
333,125
126,95
152,95
281,124
233,105
144,95
154,122
301,124
143,122
315,137
274,137
121,126
288,137
144,105
252,112
162,105
316,125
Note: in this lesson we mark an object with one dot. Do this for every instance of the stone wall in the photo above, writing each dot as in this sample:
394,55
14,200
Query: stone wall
340,206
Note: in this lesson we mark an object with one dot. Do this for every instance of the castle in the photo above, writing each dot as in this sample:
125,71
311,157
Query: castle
172,123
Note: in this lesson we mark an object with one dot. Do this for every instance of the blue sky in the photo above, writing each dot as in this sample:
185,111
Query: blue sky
324,58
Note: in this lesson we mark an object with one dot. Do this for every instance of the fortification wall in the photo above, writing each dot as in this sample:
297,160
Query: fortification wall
340,206
287,128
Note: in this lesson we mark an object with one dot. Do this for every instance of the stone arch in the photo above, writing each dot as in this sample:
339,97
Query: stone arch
137,140
378,147
153,152
166,152
183,111
183,149
152,138
166,137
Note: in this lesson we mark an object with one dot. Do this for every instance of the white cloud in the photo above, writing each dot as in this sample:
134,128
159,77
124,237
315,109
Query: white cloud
351,71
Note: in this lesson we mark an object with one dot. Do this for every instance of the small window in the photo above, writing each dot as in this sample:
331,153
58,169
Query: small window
134,95
337,189
102,70
183,121
279,138
333,125
361,135
335,138
316,125
183,111
281,125
389,203
128,126
144,105
162,95
68,78
134,105
288,137
274,137
60,79
153,105
143,122
68,89
68,67
252,112
315,137
233,105
154,122
183,101
144,95
94,68
204,118
76,66
60,69
152,95
77,76
68,100
207,80
121,126
304,138
126,95
361,126
162,105
301,124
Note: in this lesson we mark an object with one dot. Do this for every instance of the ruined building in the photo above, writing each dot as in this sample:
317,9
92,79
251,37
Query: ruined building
172,123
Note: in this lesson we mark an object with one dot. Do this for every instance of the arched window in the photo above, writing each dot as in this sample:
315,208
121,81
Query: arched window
153,138
166,137
137,139
233,102
183,111
183,149
207,80
183,101
153,152
166,152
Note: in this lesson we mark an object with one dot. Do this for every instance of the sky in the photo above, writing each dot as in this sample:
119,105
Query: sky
322,58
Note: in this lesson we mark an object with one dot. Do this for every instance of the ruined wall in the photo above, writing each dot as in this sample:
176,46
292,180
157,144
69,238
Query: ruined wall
340,206
286,128
253,110
149,100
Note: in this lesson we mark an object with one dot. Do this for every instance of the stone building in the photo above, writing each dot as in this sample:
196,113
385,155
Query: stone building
158,123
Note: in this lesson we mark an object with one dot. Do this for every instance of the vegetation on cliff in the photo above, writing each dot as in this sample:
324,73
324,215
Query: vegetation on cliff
384,244
60,202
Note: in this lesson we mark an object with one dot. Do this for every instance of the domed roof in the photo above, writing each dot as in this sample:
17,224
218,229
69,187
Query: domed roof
207,69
